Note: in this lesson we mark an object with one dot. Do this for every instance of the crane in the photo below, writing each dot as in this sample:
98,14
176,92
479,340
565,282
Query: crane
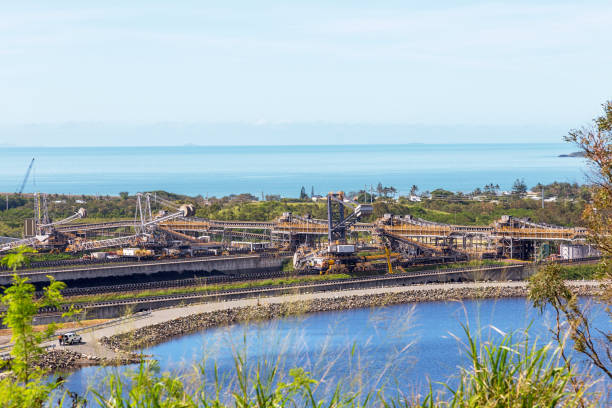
25,179
337,227
338,252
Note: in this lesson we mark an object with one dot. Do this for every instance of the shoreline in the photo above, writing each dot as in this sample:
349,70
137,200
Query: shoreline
119,345
154,334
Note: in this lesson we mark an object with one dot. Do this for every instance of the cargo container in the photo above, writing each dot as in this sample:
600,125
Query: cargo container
129,251
136,252
342,249
572,251
99,255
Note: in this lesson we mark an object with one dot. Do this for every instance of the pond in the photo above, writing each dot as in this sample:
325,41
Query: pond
399,348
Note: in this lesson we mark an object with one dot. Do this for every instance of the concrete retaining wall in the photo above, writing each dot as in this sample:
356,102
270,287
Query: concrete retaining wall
229,265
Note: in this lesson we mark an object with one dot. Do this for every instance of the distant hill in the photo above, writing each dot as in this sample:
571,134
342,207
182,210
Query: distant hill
574,154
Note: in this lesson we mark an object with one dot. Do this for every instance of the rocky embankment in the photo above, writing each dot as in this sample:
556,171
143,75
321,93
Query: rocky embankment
65,359
60,360
159,333
57,360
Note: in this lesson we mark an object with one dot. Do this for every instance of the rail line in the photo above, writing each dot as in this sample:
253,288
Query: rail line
215,279
313,286
177,283
304,287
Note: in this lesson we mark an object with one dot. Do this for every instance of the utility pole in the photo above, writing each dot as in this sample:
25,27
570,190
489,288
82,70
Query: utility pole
542,197
7,202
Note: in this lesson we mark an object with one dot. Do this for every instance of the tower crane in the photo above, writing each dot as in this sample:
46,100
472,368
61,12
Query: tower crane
25,179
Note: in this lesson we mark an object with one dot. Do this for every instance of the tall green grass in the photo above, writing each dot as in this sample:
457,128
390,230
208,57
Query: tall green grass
578,272
512,371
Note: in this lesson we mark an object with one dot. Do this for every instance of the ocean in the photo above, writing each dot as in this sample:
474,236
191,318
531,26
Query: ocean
283,170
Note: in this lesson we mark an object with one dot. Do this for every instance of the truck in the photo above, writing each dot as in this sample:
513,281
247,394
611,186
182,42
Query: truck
99,255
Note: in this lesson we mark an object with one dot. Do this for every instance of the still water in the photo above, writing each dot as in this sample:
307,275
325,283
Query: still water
400,348
219,171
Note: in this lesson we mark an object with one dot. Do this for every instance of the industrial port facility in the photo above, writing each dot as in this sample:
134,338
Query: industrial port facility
166,246
165,229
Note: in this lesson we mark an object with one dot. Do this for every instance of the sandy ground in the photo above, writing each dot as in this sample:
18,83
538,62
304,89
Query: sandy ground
5,334
91,345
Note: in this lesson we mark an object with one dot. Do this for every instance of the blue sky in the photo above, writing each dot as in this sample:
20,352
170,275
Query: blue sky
117,72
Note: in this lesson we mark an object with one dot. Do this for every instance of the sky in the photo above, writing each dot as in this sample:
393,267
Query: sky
278,72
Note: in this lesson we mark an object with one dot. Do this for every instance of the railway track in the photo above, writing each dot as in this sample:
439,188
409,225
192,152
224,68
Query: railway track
216,279
309,287
66,262
177,283
292,288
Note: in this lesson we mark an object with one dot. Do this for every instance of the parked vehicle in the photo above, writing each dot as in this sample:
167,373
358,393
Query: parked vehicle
69,338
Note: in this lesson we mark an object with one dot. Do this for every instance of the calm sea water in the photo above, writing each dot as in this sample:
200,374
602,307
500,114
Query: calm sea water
397,347
284,169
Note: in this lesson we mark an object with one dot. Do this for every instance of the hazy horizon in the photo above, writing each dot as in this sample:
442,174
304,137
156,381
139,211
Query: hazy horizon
251,73
281,145
290,134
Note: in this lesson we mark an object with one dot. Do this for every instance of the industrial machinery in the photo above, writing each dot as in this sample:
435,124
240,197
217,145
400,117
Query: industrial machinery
410,251
146,227
45,234
339,255
166,228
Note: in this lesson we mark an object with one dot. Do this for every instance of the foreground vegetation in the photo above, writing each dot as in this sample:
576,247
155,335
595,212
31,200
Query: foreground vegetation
503,373
581,272
510,371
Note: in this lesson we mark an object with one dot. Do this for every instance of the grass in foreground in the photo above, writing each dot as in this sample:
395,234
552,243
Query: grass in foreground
503,373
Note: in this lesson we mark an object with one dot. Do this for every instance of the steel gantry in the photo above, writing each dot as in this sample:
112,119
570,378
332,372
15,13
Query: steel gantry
178,222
